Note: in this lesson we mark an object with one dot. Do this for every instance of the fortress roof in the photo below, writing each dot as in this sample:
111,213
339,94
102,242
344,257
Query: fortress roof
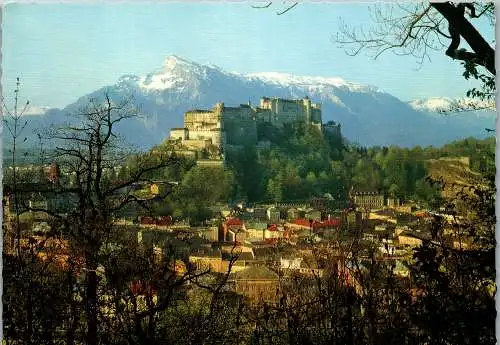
204,111
284,99
237,108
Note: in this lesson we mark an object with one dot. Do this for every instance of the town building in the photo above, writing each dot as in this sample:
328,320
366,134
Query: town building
257,283
273,215
368,199
256,230
230,228
393,202
407,238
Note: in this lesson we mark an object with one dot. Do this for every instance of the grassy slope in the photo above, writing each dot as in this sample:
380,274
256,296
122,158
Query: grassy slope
456,174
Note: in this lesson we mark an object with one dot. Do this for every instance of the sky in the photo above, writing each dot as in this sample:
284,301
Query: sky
64,51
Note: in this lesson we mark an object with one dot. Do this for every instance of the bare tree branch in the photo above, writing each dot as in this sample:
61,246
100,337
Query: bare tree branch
279,13
417,29
458,27
263,6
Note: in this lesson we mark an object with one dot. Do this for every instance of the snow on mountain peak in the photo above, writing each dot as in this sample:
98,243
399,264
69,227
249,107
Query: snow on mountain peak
164,78
157,82
172,61
431,104
36,110
286,79
177,71
367,114
446,104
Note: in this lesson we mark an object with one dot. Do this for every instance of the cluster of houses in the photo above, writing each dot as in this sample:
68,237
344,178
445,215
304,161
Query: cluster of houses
258,247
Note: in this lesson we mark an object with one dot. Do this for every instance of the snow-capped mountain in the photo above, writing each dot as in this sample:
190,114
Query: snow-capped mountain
312,83
453,105
369,115
36,110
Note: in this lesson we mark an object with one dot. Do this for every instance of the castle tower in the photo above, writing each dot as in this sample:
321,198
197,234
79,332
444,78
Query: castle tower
219,113
219,107
307,109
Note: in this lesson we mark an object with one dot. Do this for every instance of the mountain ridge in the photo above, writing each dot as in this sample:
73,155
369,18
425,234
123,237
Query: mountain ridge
368,115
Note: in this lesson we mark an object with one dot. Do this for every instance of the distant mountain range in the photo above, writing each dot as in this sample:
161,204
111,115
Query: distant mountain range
368,115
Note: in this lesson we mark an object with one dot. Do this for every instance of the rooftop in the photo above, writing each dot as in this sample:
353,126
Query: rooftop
245,256
256,225
204,111
233,221
255,273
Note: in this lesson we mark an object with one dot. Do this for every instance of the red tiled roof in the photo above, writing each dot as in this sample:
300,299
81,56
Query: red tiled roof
331,222
302,222
164,220
271,240
233,221
146,220
272,227
316,225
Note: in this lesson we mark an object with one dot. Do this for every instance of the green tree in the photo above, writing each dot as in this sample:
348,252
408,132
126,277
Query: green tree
200,188
249,174
428,193
275,189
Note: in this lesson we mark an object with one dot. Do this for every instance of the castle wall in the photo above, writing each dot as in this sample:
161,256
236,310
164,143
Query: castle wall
196,144
213,135
239,125
201,120
237,113
200,134
280,111
227,127
263,115
307,110
316,115
179,133
269,104
289,111
187,153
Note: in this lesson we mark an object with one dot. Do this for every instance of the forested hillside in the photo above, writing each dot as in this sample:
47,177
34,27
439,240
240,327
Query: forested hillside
302,162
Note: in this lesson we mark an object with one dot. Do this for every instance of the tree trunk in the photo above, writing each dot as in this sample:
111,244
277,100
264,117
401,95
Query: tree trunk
456,18
29,315
73,318
350,325
91,306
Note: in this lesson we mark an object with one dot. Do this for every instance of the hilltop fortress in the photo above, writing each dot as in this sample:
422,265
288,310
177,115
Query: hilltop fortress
208,133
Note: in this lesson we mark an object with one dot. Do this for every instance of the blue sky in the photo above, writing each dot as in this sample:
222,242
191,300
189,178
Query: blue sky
63,51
